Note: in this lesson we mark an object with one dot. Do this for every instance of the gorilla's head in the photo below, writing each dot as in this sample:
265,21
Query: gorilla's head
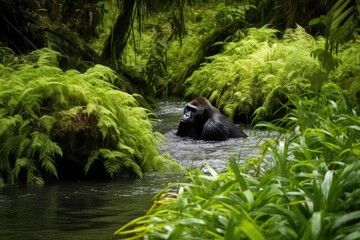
196,112
201,120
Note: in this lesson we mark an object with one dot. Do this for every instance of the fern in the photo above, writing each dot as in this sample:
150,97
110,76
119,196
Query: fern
91,108
251,77
101,72
113,161
44,56
94,155
84,112
47,122
108,123
47,150
23,147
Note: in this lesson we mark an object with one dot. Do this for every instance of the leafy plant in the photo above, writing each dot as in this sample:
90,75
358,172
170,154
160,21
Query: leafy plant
155,71
251,79
341,25
303,185
47,114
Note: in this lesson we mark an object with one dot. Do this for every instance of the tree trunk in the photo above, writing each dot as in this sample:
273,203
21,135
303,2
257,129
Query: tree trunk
116,42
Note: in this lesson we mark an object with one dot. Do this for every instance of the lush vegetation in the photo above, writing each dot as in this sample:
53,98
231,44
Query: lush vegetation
219,26
303,185
164,61
75,117
251,78
52,121
158,44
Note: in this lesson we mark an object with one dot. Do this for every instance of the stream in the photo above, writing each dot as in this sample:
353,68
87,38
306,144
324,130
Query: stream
96,209
197,153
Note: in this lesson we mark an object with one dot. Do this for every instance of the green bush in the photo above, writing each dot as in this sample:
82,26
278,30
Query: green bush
251,78
309,189
46,113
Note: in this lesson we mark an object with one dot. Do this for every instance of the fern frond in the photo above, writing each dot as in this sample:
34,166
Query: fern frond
32,178
49,166
130,164
21,163
47,122
38,140
73,73
107,124
8,125
44,56
126,148
10,145
114,161
94,155
23,149
101,72
112,165
91,108
47,150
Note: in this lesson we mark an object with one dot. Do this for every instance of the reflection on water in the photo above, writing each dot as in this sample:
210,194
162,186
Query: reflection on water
81,210
94,210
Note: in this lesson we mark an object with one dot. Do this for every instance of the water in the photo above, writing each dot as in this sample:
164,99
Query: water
95,210
75,210
198,153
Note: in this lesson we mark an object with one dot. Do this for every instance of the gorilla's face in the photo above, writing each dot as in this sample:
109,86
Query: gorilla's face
193,115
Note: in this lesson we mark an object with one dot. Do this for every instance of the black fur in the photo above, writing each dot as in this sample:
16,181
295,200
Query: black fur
201,120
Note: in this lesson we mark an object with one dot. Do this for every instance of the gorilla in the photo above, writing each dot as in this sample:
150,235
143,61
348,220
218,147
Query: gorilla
203,121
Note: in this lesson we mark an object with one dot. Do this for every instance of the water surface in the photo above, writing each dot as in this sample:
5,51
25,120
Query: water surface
95,210
75,210
197,153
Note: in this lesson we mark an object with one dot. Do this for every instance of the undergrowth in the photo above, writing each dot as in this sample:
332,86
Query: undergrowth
48,116
309,189
162,59
251,78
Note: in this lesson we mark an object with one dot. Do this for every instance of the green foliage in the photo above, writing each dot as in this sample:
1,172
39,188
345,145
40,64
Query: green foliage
341,25
133,12
253,76
348,74
164,60
303,185
46,113
155,71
